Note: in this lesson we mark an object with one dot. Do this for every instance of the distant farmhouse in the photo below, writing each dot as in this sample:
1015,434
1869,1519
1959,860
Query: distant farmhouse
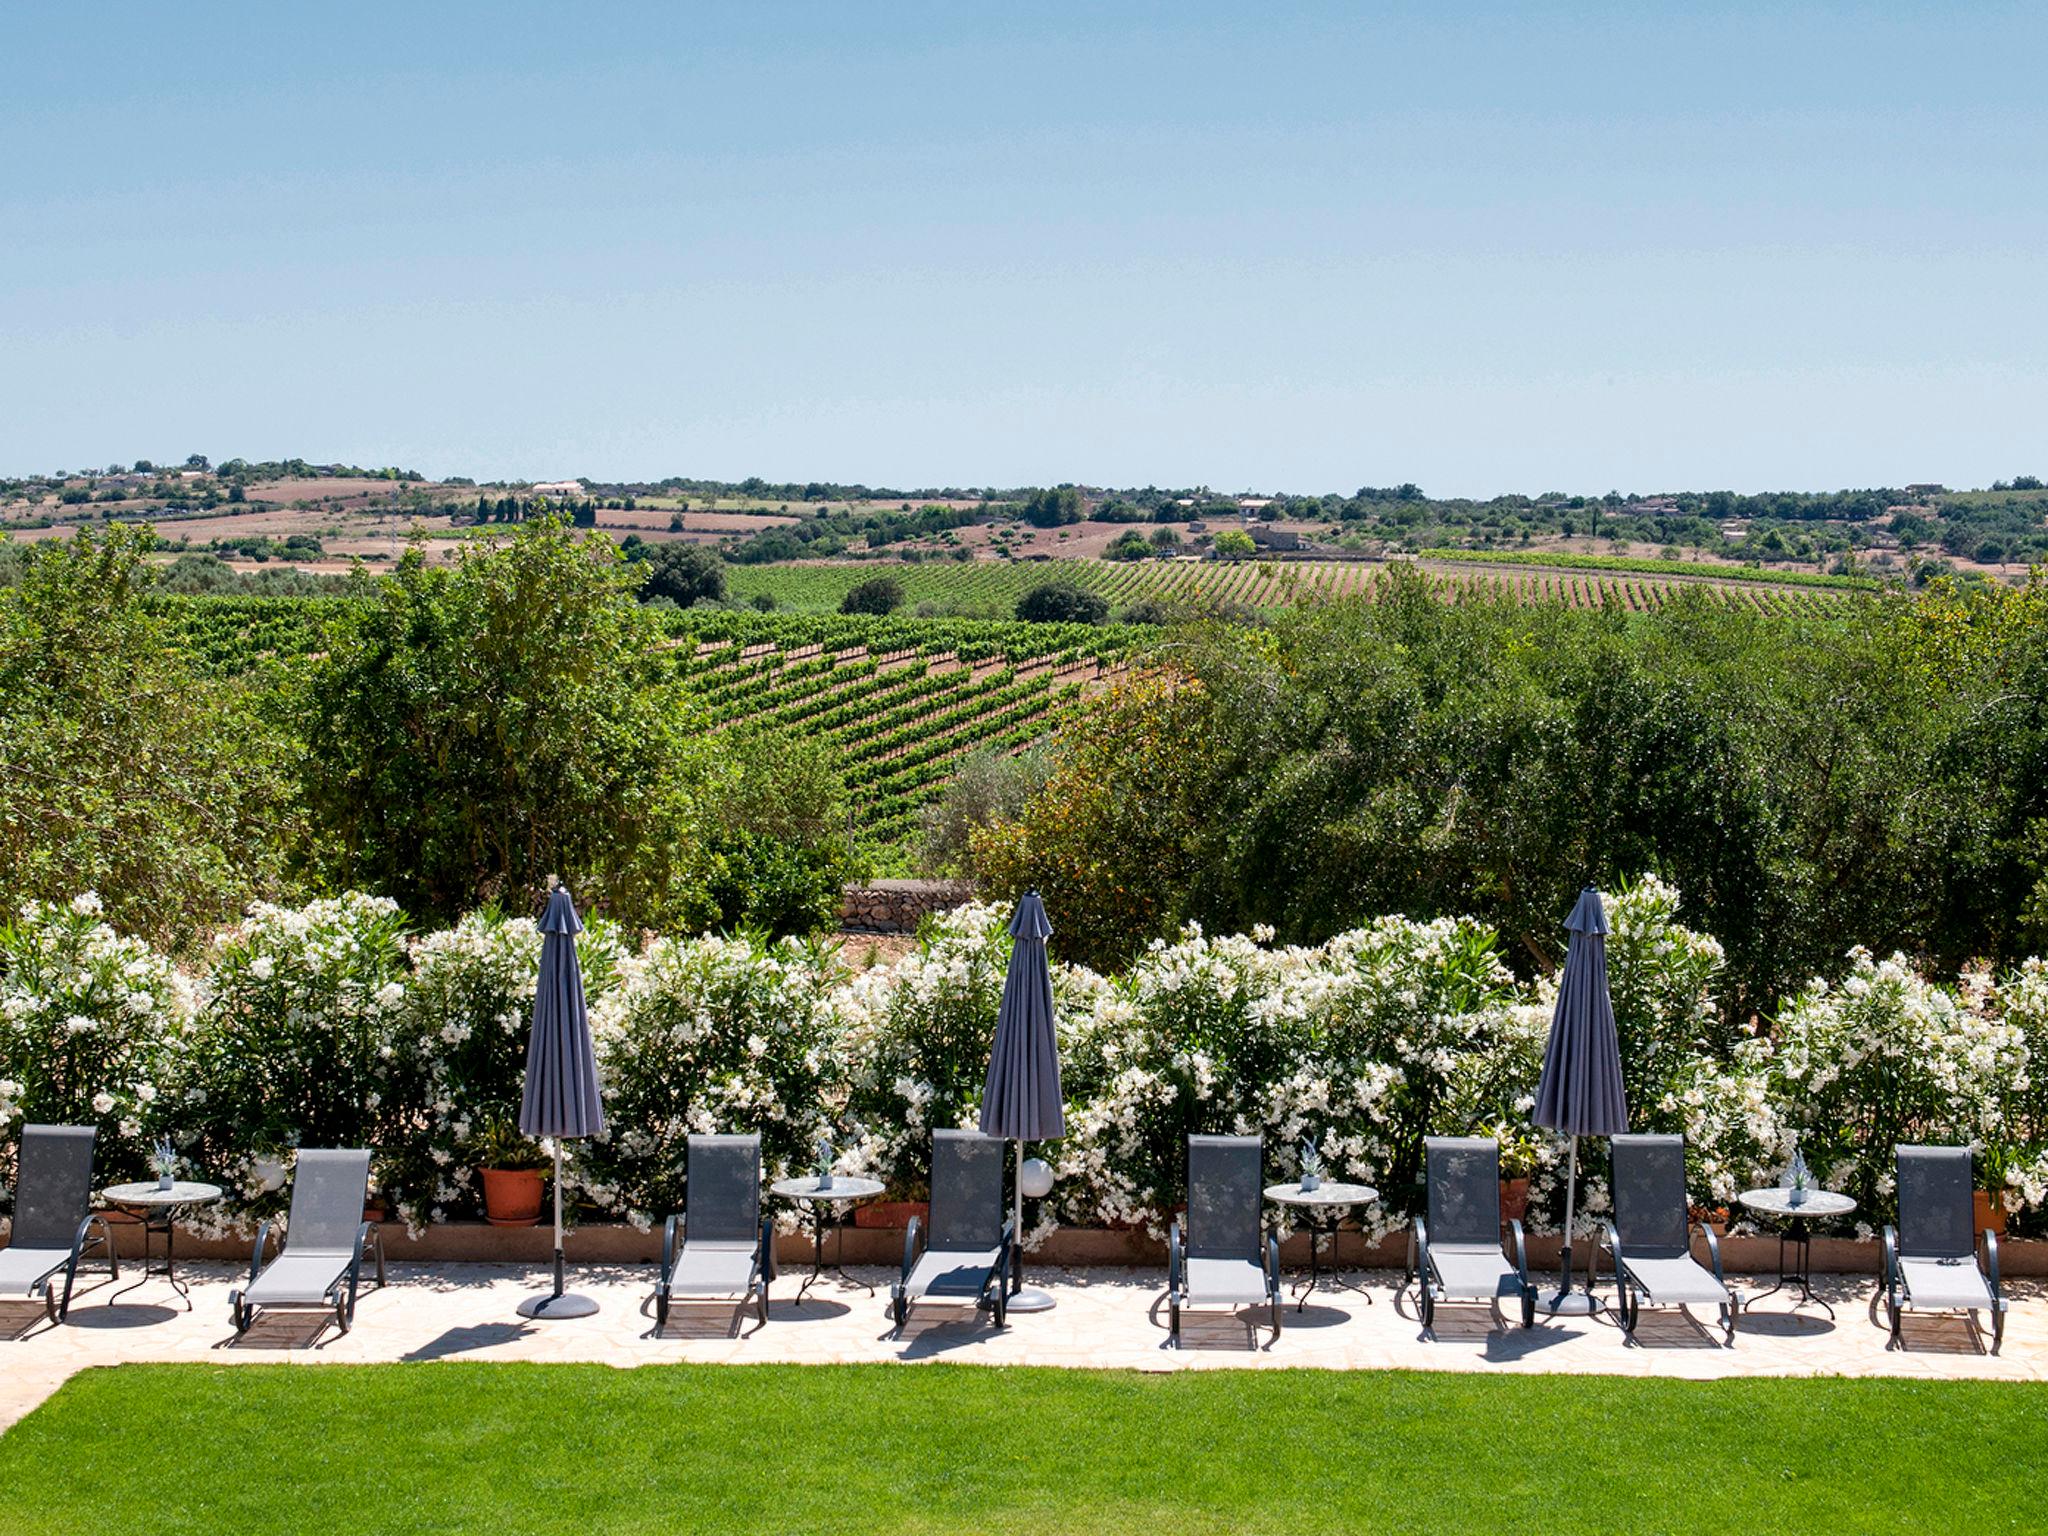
558,488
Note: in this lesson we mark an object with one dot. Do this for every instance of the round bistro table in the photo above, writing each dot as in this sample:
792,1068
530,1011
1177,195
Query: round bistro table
159,1208
829,1205
1321,1213
1793,1219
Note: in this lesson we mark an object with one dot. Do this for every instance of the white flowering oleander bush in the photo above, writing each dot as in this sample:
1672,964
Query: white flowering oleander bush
710,1036
1363,1045
1886,1056
91,1026
1685,1069
328,1025
460,1052
298,1044
917,1038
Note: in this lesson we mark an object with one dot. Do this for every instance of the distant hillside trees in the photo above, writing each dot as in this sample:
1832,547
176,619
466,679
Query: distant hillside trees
1052,508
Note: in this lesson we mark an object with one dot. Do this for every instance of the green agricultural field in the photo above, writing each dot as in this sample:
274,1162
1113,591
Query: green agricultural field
991,588
903,700
456,1447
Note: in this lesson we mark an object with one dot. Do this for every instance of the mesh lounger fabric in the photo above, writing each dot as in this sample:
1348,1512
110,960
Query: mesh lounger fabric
1225,1282
1473,1273
22,1268
1942,1283
956,1274
714,1267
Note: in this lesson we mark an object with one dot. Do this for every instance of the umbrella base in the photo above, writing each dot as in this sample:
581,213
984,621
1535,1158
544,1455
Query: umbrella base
1030,1299
1569,1304
548,1308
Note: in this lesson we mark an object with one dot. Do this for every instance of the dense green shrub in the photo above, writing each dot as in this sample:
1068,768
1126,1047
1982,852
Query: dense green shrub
122,770
472,729
876,595
1061,602
1877,774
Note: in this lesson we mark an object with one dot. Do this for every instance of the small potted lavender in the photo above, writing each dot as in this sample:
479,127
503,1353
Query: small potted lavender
163,1162
1311,1168
824,1162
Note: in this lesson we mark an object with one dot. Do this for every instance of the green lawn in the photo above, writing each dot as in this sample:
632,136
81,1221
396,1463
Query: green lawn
508,1449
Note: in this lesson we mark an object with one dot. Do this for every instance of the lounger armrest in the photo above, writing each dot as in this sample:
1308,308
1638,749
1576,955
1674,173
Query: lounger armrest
256,1256
910,1247
1888,1258
1612,1243
1006,1255
1714,1252
1521,1254
84,1233
1991,1266
765,1260
671,1243
1174,1266
365,1235
1271,1257
1418,1249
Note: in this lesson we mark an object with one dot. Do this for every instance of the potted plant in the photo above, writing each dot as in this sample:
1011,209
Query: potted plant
1518,1147
1996,1160
511,1166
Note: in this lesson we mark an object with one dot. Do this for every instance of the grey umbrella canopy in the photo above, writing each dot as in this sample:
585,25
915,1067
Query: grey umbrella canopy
561,1067
1580,1090
561,1097
1021,1099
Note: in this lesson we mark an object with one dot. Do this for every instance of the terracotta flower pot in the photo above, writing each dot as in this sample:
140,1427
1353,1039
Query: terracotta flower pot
512,1196
1514,1199
1990,1212
890,1213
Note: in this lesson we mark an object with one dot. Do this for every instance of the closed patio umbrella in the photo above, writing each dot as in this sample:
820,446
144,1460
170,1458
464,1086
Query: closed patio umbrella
1580,1090
561,1097
1021,1099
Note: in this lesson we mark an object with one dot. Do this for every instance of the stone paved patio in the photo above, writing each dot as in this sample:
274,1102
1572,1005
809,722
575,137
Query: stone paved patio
1105,1317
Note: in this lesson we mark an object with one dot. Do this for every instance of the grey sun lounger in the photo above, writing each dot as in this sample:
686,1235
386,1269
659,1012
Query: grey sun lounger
1930,1257
1226,1258
966,1259
719,1244
1650,1237
55,1226
325,1243
1455,1252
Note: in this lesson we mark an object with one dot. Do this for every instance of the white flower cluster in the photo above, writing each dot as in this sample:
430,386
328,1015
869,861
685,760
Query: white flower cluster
323,1024
92,1025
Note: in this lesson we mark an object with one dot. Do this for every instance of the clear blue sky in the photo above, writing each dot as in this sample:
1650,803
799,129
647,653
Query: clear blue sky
1481,247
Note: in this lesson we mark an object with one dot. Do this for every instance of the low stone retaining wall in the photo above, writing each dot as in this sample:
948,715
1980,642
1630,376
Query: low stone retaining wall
1070,1247
898,906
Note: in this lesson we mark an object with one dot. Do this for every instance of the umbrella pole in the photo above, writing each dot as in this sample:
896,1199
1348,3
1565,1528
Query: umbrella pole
557,1303
558,1218
1021,1299
1567,1301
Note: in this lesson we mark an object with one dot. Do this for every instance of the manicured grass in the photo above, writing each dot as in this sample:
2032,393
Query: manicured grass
795,1449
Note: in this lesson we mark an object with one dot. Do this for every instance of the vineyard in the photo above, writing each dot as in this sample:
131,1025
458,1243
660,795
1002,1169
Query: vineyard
902,699
991,588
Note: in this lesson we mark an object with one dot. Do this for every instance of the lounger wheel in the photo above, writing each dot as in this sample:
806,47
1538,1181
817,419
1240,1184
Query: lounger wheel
1173,1321
1528,1307
899,1309
1002,1310
1425,1306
